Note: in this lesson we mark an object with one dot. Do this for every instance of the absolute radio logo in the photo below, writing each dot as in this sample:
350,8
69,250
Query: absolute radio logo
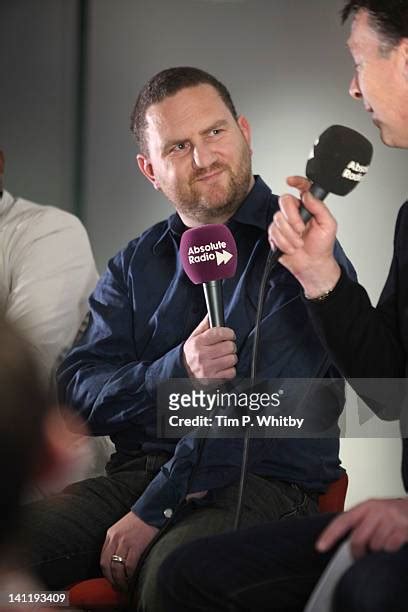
212,251
355,171
208,253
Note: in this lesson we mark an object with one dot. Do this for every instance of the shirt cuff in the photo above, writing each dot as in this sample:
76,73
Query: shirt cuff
158,502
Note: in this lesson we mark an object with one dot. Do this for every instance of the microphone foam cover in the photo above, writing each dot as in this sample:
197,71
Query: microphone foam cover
339,160
208,253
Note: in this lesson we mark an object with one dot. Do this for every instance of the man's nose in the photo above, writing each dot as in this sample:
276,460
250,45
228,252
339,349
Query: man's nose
203,156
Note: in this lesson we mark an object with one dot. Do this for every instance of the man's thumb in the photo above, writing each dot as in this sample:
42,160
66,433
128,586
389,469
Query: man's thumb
202,326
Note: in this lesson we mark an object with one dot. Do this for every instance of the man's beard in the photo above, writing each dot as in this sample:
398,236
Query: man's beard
218,201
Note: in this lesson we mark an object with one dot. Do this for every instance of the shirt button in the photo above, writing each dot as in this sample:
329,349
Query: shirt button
168,513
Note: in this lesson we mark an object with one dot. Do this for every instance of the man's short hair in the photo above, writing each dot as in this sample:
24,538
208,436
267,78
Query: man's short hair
24,404
388,17
167,83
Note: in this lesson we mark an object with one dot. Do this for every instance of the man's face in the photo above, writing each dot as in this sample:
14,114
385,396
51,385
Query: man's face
198,155
380,80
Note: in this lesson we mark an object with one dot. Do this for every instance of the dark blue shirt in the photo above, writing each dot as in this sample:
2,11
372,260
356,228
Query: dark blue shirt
141,313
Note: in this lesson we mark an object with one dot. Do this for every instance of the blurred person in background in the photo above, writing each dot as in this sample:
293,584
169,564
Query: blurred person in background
47,273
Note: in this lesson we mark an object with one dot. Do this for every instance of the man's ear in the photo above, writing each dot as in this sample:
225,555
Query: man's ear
146,168
245,129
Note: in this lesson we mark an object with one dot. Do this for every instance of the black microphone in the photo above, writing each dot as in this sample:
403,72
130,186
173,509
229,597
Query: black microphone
338,162
209,256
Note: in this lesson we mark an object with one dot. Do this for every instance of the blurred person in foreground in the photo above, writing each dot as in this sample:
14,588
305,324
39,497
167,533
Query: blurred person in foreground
35,446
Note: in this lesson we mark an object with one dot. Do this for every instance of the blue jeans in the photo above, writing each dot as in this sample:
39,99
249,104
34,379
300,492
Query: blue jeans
274,568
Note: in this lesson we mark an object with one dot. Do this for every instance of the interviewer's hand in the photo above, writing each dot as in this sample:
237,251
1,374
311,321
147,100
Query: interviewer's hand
377,524
127,538
308,249
210,352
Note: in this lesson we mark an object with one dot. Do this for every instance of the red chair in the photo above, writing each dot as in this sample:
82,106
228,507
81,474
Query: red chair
335,496
98,593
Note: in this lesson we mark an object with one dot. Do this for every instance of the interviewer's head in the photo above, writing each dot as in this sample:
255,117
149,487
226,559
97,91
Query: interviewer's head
379,46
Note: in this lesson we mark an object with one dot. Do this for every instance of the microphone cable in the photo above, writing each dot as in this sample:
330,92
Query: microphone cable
269,267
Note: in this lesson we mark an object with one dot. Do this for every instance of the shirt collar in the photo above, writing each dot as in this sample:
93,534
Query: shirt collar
174,228
255,210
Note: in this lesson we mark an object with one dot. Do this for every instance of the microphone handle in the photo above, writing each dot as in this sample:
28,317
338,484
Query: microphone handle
214,302
319,193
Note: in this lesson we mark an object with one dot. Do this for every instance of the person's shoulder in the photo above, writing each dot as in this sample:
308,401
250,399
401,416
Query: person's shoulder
401,227
140,248
136,254
402,218
46,217
403,211
59,217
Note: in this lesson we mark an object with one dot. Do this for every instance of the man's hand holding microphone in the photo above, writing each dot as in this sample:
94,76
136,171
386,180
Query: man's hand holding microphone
210,352
307,249
209,256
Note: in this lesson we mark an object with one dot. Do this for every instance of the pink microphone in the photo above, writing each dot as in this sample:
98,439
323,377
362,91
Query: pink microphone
208,255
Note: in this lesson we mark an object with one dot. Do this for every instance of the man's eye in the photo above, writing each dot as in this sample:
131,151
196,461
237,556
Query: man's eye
216,131
180,146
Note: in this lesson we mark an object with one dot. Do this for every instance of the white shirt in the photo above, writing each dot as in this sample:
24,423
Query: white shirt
47,272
